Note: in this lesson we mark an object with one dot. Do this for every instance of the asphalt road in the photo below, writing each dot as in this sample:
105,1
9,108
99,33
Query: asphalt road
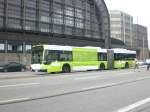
109,91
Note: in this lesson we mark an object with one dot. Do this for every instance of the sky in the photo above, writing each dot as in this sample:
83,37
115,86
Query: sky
139,9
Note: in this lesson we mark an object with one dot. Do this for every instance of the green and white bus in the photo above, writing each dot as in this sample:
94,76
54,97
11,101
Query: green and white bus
124,58
56,58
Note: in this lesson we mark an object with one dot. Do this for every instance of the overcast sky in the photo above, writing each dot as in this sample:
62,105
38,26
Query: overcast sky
139,9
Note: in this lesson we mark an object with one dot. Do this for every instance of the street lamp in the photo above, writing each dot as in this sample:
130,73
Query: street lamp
143,50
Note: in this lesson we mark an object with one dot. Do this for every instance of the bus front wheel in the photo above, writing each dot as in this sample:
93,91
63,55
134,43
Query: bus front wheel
66,68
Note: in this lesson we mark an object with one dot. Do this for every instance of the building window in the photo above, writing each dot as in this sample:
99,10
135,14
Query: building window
30,14
1,22
88,5
30,9
93,17
30,25
59,1
45,5
30,3
68,30
79,3
79,13
57,29
88,16
1,8
28,48
96,34
15,48
44,19
44,16
14,23
95,27
57,8
44,27
2,47
14,8
69,21
88,33
69,11
79,23
79,32
14,14
69,2
88,25
57,19
20,48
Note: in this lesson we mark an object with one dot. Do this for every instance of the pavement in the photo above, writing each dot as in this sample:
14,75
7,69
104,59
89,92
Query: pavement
26,74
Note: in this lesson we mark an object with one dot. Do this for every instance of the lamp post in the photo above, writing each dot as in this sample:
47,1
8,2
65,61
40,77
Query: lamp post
143,50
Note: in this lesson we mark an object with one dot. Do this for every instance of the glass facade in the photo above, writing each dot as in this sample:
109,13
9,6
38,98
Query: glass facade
69,17
1,13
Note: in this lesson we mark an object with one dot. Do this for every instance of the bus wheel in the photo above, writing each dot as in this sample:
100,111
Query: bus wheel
126,65
66,68
102,67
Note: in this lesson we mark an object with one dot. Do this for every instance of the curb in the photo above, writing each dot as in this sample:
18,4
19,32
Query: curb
5,77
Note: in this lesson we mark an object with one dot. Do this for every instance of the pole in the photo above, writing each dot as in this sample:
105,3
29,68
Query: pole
143,50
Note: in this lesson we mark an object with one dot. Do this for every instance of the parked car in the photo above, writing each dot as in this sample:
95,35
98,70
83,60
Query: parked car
140,62
12,67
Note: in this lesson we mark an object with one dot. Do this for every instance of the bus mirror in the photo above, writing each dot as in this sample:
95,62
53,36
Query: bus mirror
44,62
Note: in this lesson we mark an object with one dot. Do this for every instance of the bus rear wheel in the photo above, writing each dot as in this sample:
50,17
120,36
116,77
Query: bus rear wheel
126,65
66,69
102,67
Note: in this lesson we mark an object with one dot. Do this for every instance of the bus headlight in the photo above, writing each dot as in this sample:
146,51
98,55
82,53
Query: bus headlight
55,64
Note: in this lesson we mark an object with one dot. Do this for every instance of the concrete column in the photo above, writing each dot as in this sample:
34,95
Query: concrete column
24,60
6,52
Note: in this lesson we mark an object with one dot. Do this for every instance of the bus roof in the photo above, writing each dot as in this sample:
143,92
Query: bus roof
70,48
119,50
99,49
58,47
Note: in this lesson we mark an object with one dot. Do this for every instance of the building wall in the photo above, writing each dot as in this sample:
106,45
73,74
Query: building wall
16,57
140,36
121,26
140,41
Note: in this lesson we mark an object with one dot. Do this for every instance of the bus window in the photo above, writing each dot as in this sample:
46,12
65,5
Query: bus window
131,56
118,56
102,56
51,55
65,56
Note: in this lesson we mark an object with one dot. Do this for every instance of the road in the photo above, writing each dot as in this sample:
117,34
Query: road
94,91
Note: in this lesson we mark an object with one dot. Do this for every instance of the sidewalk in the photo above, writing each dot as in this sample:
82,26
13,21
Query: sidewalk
29,74
14,75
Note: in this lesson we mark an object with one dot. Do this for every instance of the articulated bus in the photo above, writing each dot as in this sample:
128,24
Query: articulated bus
56,58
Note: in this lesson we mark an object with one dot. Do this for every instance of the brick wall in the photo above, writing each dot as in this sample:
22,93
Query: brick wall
15,57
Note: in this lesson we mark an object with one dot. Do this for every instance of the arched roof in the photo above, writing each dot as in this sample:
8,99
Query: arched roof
101,6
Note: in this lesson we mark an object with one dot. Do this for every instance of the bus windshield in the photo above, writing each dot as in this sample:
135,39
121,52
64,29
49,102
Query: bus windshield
37,55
